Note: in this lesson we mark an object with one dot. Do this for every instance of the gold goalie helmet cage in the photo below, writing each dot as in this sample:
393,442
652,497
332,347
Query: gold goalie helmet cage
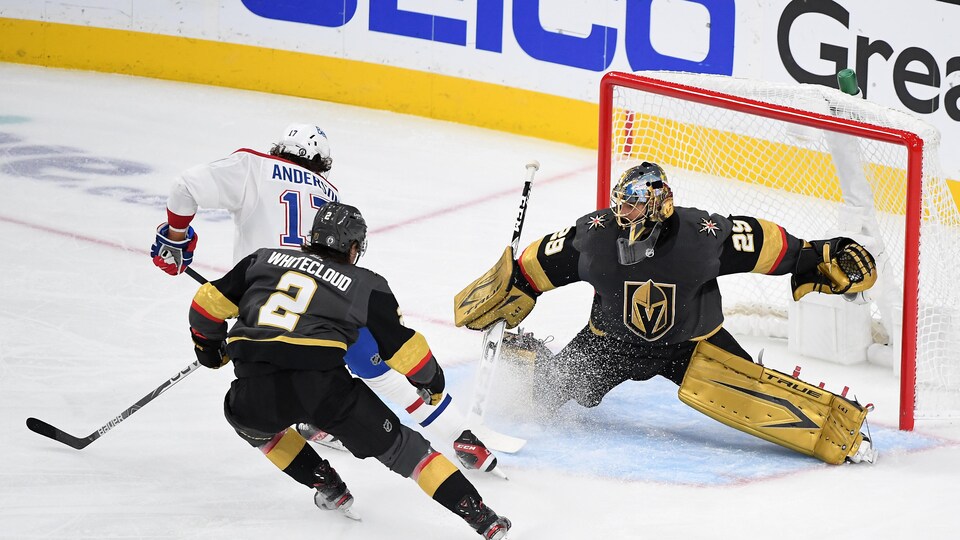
643,186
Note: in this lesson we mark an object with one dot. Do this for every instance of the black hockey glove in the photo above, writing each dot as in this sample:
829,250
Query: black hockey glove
210,353
432,392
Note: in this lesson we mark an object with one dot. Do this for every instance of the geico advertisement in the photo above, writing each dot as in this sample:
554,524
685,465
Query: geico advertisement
559,47
904,52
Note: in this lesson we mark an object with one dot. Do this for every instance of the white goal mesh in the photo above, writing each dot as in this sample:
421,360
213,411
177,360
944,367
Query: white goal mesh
821,164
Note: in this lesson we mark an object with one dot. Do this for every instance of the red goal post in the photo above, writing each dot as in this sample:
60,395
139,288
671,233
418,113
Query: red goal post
816,161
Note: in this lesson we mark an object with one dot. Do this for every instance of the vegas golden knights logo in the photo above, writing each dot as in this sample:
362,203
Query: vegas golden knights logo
649,308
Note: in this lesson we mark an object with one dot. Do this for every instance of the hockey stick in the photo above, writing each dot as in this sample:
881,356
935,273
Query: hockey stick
39,426
195,275
492,340
45,429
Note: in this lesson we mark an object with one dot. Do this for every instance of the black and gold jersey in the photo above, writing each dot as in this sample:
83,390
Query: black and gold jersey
671,296
297,310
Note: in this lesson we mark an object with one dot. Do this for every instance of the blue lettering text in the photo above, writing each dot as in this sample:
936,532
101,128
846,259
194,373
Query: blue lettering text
331,13
387,17
594,52
643,56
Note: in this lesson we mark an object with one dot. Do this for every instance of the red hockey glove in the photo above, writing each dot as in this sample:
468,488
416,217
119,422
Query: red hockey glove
173,256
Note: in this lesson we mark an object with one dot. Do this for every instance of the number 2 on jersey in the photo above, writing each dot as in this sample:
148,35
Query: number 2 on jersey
283,308
290,199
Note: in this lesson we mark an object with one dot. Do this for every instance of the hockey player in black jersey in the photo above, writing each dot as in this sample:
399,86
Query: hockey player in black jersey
297,312
657,311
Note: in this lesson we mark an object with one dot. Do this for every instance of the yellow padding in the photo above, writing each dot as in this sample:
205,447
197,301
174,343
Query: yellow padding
533,270
410,355
306,342
286,449
215,303
770,405
772,247
435,472
485,292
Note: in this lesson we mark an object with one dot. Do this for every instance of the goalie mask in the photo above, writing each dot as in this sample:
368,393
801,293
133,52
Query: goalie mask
641,202
338,226
642,194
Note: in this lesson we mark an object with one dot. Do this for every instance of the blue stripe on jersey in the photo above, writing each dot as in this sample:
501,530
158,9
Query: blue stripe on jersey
440,408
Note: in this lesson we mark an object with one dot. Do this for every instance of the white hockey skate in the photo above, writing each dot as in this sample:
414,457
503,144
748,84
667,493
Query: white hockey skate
316,435
866,453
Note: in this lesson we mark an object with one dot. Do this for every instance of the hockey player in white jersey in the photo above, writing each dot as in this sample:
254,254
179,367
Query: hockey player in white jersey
273,199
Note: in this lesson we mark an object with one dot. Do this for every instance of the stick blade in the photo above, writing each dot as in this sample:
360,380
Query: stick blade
42,428
500,442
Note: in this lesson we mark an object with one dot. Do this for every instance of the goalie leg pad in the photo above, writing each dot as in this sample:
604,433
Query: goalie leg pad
771,405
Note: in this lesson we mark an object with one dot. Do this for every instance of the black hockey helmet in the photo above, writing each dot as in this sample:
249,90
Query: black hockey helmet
337,226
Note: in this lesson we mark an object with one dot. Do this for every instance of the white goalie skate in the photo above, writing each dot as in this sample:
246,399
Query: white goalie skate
866,453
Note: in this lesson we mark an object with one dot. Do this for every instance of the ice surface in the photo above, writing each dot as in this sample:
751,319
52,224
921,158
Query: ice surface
88,325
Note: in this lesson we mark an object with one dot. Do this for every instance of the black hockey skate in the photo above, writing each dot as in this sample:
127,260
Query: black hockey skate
473,454
332,492
483,519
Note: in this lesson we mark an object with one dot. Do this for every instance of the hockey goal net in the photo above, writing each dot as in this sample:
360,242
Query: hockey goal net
821,164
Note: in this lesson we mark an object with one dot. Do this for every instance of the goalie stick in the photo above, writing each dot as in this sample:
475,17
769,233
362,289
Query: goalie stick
39,426
491,344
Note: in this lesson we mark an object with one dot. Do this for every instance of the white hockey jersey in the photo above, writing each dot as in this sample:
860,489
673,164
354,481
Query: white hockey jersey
264,193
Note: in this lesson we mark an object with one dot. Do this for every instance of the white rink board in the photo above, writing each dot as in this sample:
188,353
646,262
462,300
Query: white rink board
905,49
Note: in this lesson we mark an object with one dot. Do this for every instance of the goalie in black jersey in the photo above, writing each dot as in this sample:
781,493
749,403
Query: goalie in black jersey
297,312
657,311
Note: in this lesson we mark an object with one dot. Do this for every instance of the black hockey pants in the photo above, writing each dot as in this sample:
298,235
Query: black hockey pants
334,401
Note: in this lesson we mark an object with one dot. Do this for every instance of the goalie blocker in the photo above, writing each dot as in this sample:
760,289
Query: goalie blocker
771,405
500,293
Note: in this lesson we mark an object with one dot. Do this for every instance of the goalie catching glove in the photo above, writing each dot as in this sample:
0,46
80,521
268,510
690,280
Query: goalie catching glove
835,266
501,293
